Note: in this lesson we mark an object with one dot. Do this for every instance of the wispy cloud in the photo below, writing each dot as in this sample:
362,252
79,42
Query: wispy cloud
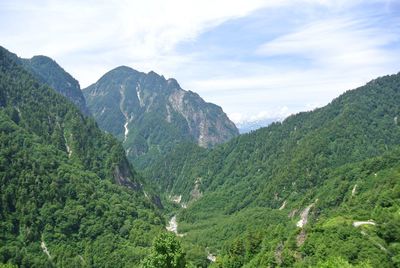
344,41
108,33
255,58
324,54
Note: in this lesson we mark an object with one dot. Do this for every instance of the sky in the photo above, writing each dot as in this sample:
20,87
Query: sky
257,59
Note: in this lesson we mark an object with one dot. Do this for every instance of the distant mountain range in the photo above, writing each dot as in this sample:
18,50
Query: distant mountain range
251,125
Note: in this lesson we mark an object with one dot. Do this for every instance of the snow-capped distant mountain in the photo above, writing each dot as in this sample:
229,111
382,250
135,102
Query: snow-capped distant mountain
248,126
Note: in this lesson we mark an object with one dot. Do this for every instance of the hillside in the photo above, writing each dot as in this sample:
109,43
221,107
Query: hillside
320,189
252,183
68,196
49,72
151,114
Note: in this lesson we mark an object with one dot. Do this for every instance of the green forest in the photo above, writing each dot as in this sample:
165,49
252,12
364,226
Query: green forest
65,185
319,189
258,184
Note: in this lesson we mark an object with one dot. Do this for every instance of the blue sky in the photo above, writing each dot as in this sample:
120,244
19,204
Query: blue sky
257,59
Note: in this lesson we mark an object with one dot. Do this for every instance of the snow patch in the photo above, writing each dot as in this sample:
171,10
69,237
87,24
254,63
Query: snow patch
69,151
353,192
125,113
304,215
126,130
359,223
301,237
283,205
45,249
141,102
173,226
211,257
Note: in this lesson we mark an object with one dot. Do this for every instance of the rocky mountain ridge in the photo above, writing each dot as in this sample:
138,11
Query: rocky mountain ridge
48,71
151,114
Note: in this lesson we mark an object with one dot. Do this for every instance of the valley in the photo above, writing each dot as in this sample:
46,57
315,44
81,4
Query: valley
137,168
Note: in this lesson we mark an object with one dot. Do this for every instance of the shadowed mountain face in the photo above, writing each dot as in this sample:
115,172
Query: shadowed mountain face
152,114
47,71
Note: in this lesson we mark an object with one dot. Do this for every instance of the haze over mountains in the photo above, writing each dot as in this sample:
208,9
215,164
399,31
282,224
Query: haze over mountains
250,125
319,189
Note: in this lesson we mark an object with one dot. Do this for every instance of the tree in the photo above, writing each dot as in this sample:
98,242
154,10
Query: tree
340,262
165,253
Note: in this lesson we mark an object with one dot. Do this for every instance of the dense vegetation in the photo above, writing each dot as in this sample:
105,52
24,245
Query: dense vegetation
288,165
320,189
166,253
60,202
330,232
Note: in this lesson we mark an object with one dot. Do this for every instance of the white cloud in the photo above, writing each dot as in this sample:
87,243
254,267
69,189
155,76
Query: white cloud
342,48
340,53
93,36
339,41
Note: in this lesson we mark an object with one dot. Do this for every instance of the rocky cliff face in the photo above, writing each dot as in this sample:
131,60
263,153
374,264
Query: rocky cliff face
47,71
151,114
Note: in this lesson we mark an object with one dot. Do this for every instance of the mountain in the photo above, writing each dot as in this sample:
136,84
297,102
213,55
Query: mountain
68,196
248,126
319,189
319,185
46,70
151,114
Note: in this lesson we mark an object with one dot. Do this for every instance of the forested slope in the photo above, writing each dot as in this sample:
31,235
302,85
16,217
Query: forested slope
68,196
256,180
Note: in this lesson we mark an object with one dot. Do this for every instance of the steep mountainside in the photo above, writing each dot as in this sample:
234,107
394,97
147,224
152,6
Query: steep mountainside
296,168
49,72
68,196
151,114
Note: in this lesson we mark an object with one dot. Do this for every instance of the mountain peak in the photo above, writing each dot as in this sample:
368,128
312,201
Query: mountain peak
49,72
42,58
123,69
148,111
173,84
153,73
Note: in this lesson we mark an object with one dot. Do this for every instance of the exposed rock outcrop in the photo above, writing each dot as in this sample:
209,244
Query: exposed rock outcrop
147,111
123,176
